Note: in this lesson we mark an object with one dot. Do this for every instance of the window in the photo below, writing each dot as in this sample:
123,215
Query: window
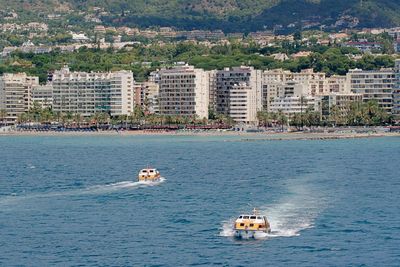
252,224
245,217
242,224
253,217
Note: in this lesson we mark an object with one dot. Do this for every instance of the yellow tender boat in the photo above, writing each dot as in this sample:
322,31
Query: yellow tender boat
247,226
149,174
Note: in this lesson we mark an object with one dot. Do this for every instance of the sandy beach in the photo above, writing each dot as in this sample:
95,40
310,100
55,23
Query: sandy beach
246,136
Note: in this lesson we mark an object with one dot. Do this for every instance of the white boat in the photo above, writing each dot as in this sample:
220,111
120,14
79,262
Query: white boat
249,225
149,174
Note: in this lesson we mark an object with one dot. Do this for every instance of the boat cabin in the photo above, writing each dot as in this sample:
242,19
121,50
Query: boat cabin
149,174
251,222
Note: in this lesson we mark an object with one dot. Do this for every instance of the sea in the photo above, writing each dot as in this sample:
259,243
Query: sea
76,201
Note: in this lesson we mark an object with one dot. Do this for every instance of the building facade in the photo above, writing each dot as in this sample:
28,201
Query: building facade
15,94
146,96
88,93
184,90
243,104
375,85
396,91
42,95
339,102
292,104
225,80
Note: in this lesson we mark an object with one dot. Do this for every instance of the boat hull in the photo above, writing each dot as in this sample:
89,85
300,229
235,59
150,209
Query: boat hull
249,234
143,178
149,179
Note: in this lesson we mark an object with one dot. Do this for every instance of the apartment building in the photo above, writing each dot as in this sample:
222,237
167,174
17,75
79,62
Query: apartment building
292,104
87,93
184,90
373,85
273,91
337,84
311,83
224,81
146,96
339,101
396,91
315,81
243,103
42,95
15,94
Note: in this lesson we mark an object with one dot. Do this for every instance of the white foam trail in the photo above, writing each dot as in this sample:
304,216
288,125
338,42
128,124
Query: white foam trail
98,189
289,216
227,228
95,190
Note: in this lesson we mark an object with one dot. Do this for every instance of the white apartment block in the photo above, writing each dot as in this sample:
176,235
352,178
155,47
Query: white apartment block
15,94
42,95
243,103
146,96
292,104
396,91
273,91
373,85
341,101
337,84
315,82
184,90
225,80
88,93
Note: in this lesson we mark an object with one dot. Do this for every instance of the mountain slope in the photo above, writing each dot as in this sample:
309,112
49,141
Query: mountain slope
229,15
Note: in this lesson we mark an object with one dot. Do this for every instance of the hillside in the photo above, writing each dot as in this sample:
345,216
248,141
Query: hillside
229,15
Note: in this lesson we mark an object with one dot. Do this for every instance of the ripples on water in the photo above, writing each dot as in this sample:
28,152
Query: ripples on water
330,203
291,214
96,189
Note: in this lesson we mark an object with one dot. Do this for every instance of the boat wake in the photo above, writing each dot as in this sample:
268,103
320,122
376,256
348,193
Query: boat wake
289,216
100,189
91,190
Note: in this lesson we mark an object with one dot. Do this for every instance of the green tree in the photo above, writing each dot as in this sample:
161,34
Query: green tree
3,116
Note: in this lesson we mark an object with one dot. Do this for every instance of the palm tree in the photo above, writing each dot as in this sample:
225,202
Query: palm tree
296,120
263,118
282,118
274,118
3,115
334,115
78,119
194,119
23,118
186,120
138,114
303,101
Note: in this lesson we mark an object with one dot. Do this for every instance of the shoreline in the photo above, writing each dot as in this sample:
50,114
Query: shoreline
246,136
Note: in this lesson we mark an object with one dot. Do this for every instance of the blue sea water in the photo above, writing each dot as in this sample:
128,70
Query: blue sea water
74,201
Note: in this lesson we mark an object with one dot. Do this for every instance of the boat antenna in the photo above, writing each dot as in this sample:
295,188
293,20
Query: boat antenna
255,211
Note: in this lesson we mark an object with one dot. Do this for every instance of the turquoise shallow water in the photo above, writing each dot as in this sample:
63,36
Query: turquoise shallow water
74,201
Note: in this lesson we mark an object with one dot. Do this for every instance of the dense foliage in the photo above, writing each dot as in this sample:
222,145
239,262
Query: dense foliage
144,59
228,15
357,114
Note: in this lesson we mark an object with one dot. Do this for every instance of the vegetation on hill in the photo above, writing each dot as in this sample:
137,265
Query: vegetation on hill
228,15
144,59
